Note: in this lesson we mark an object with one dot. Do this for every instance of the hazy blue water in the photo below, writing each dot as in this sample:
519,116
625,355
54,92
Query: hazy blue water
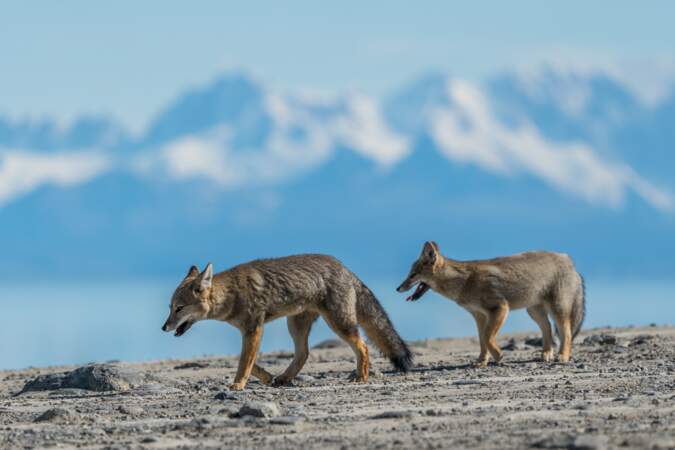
61,323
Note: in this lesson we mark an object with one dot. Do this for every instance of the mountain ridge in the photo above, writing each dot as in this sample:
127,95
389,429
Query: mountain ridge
477,167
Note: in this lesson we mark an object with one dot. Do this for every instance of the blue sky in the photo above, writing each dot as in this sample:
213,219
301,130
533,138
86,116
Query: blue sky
129,58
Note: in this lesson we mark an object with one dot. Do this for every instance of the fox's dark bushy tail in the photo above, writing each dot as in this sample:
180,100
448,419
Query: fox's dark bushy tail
379,329
579,308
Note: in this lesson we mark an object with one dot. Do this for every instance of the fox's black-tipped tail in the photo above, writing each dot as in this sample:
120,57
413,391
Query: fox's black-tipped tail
404,361
379,329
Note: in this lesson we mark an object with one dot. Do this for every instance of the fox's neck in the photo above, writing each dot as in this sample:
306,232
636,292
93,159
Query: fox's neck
450,277
220,302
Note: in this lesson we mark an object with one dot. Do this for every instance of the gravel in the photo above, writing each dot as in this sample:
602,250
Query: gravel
602,399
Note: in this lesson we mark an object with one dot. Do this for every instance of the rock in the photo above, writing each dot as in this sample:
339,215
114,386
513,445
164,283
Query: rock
394,415
191,365
566,441
259,409
590,442
156,389
557,441
511,345
641,339
330,343
286,420
131,410
466,382
200,423
229,411
303,378
534,341
600,339
67,392
149,440
227,395
55,415
95,377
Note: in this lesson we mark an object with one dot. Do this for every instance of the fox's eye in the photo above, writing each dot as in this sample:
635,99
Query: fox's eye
179,308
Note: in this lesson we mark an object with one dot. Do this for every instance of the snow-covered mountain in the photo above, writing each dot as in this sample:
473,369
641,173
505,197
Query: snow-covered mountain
234,170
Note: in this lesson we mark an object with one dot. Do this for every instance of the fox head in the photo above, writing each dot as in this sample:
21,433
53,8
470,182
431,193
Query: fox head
421,271
190,301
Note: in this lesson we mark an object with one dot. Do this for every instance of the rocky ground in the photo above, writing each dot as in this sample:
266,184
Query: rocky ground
619,392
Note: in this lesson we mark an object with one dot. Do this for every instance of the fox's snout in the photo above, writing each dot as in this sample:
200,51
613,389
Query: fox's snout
169,325
406,285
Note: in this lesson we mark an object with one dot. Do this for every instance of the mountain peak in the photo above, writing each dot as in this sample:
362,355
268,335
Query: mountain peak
408,108
231,98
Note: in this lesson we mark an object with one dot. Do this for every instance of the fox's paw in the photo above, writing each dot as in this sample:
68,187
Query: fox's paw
563,359
497,357
547,356
479,363
280,381
237,386
357,378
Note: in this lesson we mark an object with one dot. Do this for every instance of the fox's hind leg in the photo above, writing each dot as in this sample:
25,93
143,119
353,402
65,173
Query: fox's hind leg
348,330
495,319
361,351
264,376
563,321
299,327
481,320
538,314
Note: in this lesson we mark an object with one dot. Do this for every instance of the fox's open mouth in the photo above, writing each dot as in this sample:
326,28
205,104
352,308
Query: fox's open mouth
420,290
182,328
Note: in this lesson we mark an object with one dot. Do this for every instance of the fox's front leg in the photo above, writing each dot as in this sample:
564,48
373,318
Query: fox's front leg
249,350
495,320
482,360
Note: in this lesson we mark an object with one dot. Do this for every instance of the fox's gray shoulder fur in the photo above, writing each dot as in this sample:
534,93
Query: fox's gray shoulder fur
279,287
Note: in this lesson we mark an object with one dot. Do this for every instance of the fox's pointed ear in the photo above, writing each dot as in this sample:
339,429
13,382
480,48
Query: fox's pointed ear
193,272
206,277
430,252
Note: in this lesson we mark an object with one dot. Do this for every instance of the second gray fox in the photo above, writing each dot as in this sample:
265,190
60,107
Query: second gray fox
545,283
302,288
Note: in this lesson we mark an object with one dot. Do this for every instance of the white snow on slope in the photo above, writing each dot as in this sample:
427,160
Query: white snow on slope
468,132
299,133
22,172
